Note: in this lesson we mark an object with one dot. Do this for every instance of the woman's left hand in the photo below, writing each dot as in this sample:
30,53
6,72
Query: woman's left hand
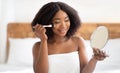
99,54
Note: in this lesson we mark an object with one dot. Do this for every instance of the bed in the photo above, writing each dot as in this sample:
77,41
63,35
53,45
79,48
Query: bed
20,40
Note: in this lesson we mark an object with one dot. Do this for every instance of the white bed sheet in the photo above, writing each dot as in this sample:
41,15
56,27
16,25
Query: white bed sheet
100,68
7,68
107,68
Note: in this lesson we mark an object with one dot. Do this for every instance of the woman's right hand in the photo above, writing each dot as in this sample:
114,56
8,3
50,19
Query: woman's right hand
40,32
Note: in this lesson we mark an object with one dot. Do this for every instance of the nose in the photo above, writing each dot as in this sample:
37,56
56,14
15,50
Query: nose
63,25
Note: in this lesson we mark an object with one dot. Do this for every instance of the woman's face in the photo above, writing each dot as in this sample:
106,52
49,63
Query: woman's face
61,23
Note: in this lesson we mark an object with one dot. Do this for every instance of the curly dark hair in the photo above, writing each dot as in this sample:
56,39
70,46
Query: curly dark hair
48,11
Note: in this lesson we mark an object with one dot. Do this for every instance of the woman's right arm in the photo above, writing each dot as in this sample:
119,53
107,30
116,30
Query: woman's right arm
40,52
40,57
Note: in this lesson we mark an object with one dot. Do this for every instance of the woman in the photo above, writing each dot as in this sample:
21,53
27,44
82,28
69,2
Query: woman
59,51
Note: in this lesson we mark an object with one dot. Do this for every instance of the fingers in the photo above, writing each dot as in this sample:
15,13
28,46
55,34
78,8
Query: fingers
99,54
39,31
39,28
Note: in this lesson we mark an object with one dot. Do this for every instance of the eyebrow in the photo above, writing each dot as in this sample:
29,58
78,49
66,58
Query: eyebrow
59,18
66,17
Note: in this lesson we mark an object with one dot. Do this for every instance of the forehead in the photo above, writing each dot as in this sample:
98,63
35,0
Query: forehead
60,14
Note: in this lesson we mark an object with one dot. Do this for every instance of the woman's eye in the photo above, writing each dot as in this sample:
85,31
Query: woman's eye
56,22
67,19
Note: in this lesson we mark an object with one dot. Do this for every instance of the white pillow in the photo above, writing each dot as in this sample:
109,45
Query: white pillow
89,50
20,52
113,50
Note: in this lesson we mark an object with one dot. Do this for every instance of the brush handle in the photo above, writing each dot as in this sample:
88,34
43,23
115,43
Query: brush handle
45,26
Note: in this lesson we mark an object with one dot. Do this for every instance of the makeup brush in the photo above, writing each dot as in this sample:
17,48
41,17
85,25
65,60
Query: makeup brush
50,25
47,25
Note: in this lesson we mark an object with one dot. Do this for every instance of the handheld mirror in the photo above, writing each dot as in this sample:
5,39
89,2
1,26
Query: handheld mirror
99,37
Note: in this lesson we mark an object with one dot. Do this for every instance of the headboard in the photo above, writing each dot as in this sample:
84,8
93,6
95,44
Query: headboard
24,30
87,28
19,30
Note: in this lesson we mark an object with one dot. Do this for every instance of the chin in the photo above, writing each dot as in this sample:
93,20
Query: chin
62,35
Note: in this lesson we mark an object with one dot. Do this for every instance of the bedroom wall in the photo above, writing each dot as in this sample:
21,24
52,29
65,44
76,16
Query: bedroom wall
89,10
24,11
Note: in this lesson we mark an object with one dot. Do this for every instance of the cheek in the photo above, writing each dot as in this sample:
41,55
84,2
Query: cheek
57,26
68,25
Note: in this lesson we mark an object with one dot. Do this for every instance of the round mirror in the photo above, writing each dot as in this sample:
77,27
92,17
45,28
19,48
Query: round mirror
99,37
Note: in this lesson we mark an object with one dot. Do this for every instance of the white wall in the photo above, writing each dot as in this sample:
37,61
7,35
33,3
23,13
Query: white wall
89,10
24,11
6,15
100,10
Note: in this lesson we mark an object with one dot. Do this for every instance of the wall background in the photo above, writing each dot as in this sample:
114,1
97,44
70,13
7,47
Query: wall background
25,10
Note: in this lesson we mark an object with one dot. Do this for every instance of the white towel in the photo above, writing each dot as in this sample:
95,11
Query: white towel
64,63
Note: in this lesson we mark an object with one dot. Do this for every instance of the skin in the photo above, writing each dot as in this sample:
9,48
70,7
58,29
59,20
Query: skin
61,44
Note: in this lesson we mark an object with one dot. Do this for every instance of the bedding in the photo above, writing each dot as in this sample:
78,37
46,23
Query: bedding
21,51
109,65
7,68
112,63
20,58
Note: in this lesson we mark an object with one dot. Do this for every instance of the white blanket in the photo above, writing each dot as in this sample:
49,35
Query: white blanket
7,68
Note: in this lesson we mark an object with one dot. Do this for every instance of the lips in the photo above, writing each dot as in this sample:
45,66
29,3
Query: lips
63,31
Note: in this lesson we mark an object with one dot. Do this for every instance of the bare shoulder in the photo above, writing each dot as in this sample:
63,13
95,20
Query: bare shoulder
36,47
78,39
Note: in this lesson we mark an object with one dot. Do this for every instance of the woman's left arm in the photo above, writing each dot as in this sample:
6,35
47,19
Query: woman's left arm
85,65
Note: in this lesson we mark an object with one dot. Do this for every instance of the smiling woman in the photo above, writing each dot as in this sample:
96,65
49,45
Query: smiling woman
60,40
90,11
